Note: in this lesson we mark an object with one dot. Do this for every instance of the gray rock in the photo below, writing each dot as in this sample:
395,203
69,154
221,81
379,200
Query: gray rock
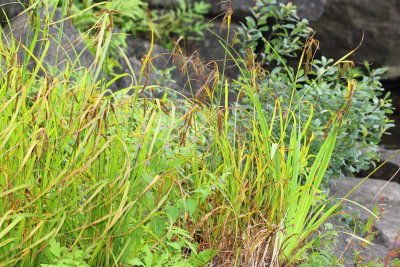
369,194
390,170
392,141
345,245
240,8
66,45
392,155
309,9
212,49
188,76
9,9
343,23
163,3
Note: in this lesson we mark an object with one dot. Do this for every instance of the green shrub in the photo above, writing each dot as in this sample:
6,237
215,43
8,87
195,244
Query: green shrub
276,36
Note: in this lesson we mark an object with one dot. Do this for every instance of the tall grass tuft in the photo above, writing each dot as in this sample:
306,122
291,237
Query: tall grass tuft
83,174
257,190
92,178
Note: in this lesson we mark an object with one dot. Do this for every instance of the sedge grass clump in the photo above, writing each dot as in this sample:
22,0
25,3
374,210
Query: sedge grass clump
276,37
255,191
85,176
92,178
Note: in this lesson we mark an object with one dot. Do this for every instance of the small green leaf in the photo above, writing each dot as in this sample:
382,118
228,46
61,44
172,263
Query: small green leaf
191,205
136,262
273,150
206,255
173,212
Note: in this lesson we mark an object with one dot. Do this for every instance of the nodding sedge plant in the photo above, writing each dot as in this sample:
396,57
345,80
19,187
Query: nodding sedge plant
92,178
85,177
258,186
257,191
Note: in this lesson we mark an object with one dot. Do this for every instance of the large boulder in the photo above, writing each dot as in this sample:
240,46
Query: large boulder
387,168
345,246
166,70
240,8
344,22
370,193
211,47
9,9
392,141
65,44
309,9
217,47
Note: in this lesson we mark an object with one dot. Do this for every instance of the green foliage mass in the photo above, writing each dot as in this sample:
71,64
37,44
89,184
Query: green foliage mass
93,178
134,16
276,36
